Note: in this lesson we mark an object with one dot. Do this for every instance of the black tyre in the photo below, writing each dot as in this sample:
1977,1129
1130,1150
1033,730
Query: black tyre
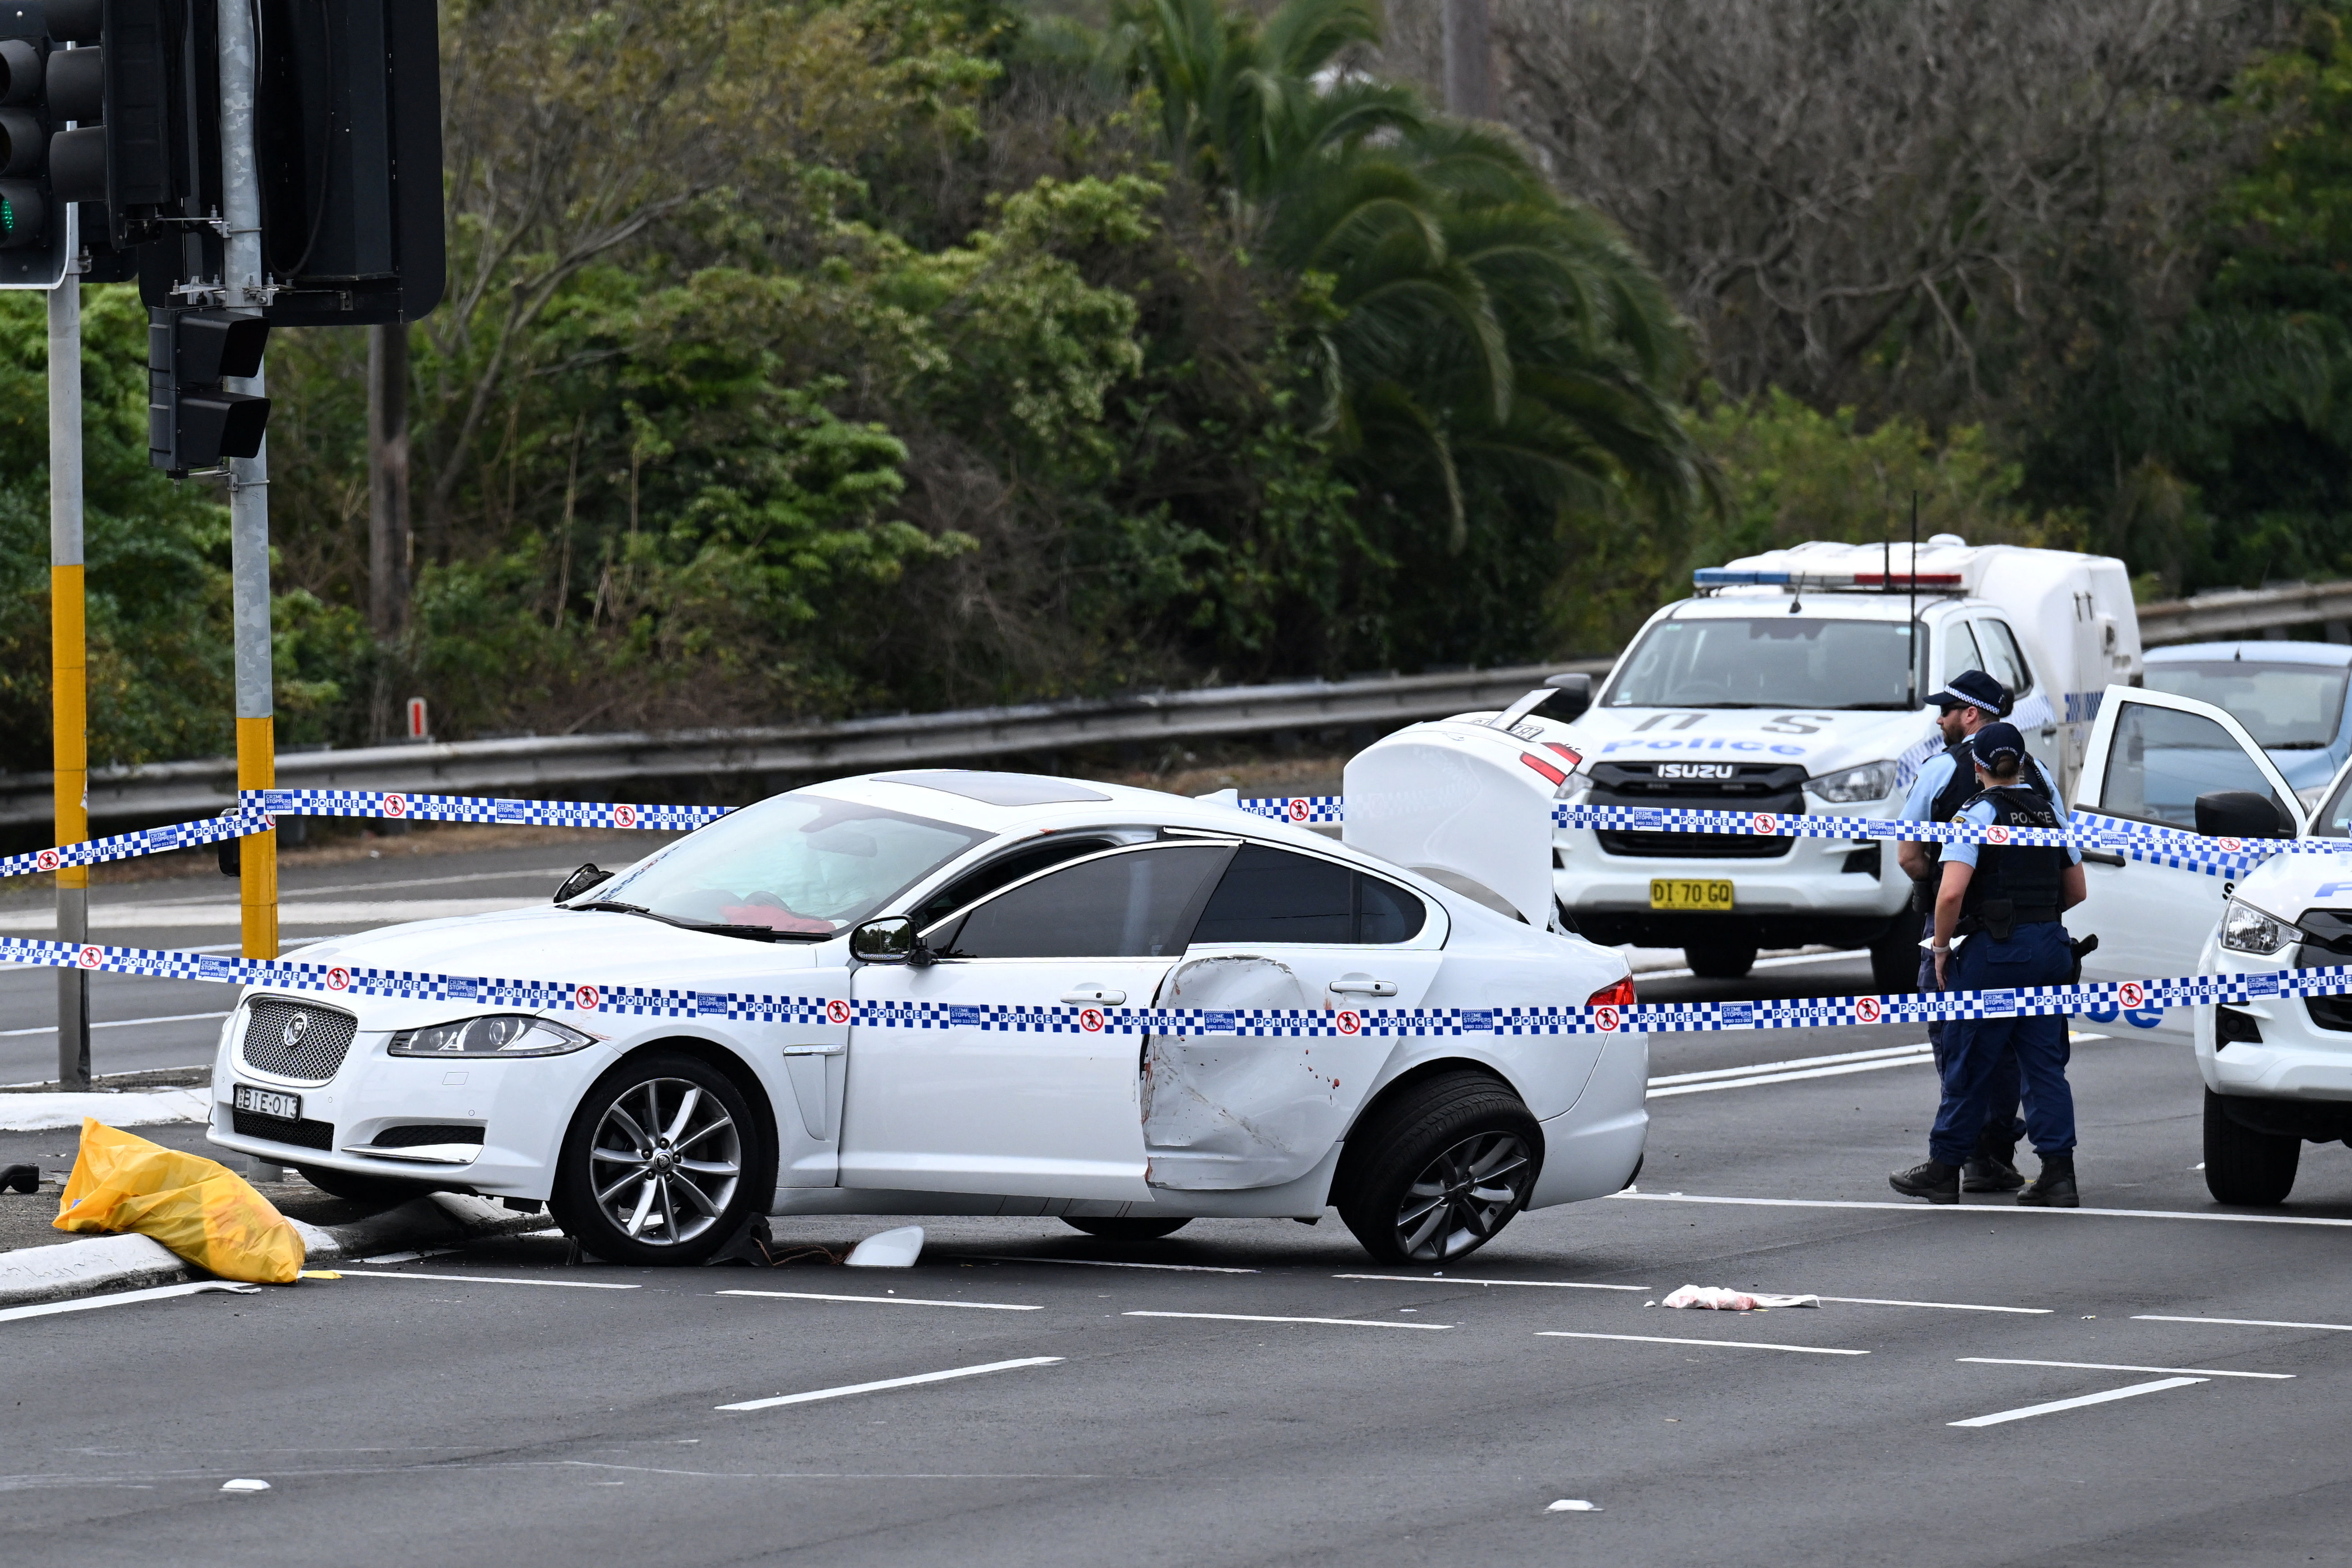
381,1192
1127,1229
1721,959
1440,1169
663,1162
2243,1166
1894,962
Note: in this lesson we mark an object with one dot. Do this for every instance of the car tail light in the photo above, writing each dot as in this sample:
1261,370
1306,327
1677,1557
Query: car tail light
1545,768
1575,759
1618,996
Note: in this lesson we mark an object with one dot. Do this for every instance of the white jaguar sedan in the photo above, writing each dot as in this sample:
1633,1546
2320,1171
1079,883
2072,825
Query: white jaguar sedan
658,1139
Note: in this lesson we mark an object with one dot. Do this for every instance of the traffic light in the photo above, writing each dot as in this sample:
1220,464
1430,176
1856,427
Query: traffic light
193,422
115,92
32,239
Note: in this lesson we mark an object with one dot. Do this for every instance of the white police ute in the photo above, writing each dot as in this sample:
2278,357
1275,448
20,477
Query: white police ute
952,899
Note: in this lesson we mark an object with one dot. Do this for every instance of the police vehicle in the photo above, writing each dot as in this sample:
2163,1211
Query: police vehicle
1796,681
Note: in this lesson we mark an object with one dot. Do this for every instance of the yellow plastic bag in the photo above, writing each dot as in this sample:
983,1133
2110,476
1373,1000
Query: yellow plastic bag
199,1208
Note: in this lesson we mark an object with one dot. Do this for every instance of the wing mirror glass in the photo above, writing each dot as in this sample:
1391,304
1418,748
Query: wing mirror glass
890,940
580,881
2241,814
1575,695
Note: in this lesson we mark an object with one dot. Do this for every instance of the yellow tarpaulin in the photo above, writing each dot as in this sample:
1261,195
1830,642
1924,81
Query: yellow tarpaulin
199,1208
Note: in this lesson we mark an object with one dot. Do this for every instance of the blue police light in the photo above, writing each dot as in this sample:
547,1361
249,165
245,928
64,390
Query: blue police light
1727,577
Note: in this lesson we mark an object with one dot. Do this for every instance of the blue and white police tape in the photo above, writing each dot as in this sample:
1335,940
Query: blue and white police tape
129,846
395,806
2102,999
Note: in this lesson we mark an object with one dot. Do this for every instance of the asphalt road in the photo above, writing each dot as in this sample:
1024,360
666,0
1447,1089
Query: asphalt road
1250,1397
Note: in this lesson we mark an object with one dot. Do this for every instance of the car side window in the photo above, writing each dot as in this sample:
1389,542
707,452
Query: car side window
1002,872
2161,761
1960,653
1136,903
1274,896
2004,661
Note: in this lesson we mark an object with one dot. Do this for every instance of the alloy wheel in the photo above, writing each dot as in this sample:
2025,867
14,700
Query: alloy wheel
1463,1196
664,1161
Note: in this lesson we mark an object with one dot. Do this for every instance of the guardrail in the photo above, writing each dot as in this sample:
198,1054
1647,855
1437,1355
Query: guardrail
2235,612
180,790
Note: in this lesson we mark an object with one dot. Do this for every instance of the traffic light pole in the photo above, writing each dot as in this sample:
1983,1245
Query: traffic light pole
248,482
69,683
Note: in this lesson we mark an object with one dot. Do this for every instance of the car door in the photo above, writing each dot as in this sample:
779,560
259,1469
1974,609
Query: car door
1283,929
2152,754
959,1098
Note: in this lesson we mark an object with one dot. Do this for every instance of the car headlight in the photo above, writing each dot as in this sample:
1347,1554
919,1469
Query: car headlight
497,1035
1872,781
2245,929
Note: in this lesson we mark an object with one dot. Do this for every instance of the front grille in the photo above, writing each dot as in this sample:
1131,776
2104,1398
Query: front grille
299,1040
301,1134
2328,940
1695,845
1752,786
417,1134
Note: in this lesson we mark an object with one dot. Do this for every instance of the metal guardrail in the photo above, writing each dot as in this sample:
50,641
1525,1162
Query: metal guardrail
2235,612
536,765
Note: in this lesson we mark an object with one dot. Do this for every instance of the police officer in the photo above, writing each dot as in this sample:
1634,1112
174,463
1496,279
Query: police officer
1998,906
1972,700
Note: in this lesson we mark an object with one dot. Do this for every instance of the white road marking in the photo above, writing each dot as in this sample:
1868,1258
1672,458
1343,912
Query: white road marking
1885,1053
1946,1306
388,911
1449,1279
1101,1263
483,1280
1252,1318
1999,1416
884,1300
2240,1322
1711,1344
847,1389
1980,1210
125,1298
1920,1060
2117,1366
117,1024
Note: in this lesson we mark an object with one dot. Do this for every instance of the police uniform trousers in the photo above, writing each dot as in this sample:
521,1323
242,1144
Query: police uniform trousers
1980,1055
2001,1095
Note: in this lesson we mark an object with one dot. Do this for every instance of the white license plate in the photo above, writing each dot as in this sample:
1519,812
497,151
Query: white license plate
269,1103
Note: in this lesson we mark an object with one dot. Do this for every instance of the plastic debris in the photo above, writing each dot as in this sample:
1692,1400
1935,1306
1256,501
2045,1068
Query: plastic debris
322,1273
891,1250
199,1208
245,1484
1716,1298
21,1178
1573,1505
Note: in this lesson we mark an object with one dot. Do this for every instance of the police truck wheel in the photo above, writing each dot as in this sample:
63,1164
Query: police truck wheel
1894,963
1437,1172
2243,1166
1720,958
1127,1229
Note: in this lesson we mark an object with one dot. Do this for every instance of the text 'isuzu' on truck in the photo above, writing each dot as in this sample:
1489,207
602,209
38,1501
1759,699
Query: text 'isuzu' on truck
1798,681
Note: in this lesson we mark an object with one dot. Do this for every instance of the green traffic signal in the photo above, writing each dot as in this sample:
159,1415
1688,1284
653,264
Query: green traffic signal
24,215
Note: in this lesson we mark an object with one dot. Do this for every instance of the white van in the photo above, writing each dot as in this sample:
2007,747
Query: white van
1797,681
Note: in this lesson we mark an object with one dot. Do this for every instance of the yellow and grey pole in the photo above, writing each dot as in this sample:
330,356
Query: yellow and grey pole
68,674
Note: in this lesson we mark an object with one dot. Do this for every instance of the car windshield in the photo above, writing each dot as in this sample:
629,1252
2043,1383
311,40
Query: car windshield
1770,661
801,865
2285,706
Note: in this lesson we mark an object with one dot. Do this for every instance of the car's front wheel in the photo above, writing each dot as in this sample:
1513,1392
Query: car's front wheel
659,1167
1440,1169
1127,1229
2243,1166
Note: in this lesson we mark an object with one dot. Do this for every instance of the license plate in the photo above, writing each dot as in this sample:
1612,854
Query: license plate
269,1103
1690,893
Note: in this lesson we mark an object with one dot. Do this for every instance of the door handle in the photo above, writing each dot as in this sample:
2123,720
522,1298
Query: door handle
1101,995
2101,857
1360,985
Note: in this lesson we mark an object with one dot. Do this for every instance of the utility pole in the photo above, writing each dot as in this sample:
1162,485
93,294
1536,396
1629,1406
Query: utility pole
387,479
243,293
1469,58
68,674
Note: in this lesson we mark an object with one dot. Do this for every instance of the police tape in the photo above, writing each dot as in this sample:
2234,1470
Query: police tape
397,806
129,846
2099,1000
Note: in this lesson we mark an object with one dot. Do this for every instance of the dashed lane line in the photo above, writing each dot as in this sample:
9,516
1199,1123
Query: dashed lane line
1978,1211
2117,1366
1919,1057
2000,1417
1104,1263
2239,1322
1710,1345
884,1300
1946,1305
1451,1279
484,1279
1253,1318
117,1024
847,1389
125,1298
1894,1055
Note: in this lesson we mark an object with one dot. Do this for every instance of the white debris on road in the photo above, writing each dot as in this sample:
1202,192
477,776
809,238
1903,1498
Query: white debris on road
1715,1299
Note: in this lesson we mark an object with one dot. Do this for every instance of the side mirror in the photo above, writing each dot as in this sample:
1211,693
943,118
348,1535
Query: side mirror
2241,814
890,940
1575,695
580,881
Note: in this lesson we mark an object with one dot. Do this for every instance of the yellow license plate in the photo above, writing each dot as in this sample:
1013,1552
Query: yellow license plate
1690,893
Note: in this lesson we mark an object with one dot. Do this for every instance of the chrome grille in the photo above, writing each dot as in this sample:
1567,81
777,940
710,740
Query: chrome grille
299,1040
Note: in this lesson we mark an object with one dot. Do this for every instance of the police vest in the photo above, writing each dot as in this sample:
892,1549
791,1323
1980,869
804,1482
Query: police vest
1961,789
2014,884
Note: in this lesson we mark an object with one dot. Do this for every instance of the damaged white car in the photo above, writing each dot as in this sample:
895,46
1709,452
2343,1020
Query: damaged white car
654,1140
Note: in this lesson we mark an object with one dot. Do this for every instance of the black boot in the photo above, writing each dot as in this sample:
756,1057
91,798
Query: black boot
1992,1168
1934,1180
2055,1187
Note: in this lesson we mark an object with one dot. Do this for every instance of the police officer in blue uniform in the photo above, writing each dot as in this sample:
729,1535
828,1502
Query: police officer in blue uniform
1997,927
1968,704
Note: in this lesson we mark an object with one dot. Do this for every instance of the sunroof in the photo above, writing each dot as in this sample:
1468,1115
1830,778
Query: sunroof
996,789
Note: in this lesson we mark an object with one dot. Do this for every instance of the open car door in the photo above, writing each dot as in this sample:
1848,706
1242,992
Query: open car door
2152,754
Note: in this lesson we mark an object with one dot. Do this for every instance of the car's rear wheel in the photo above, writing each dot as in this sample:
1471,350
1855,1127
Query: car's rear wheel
1720,958
660,1165
1438,1171
383,1191
1127,1229
2243,1166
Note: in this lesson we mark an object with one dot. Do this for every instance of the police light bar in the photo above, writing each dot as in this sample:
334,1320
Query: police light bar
1744,577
